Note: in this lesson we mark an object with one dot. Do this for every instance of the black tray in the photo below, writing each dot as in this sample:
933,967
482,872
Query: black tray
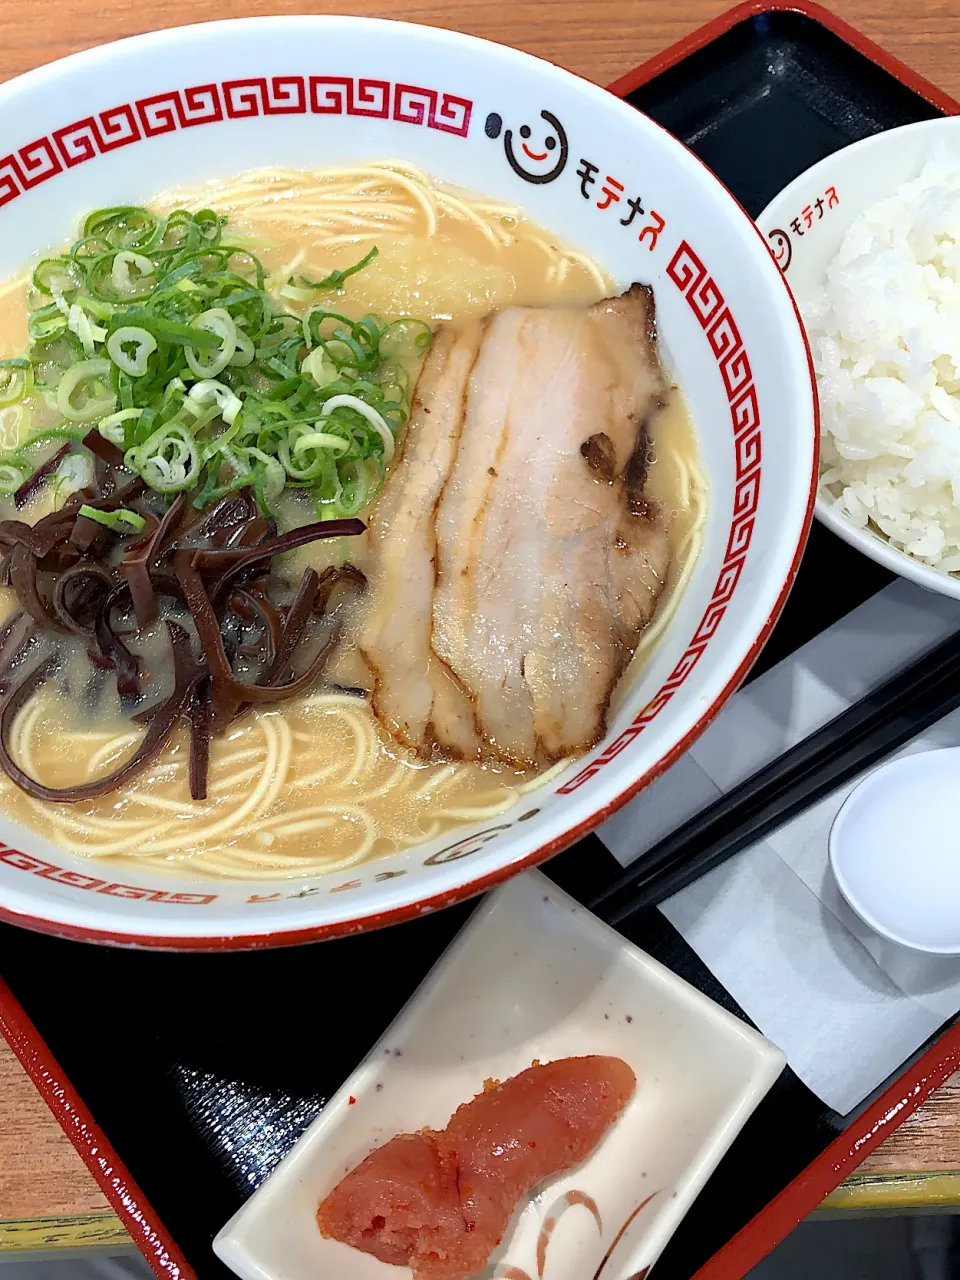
202,1070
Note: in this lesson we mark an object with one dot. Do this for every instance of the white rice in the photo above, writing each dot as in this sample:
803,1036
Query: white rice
885,335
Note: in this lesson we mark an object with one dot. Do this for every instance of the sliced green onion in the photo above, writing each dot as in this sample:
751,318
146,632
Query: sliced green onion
211,225
113,427
115,419
185,334
317,469
165,337
124,227
57,275
406,337
168,461
314,318
358,489
123,279
269,479
245,352
74,473
16,380
14,470
54,433
336,278
13,419
294,293
78,322
121,520
96,399
101,311
219,321
376,421
174,331
47,323
210,392
62,305
320,440
143,342
320,367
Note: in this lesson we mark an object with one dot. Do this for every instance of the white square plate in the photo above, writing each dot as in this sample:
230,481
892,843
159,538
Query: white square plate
533,975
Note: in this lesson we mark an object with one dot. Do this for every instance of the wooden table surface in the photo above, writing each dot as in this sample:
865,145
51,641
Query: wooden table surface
46,1195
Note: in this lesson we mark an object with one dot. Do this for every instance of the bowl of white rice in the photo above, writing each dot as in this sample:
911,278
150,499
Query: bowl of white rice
869,241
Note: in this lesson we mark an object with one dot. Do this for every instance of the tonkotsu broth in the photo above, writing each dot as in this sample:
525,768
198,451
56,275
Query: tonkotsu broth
314,784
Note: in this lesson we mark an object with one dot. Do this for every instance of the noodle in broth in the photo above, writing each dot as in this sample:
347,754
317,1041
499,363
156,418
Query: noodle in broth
315,785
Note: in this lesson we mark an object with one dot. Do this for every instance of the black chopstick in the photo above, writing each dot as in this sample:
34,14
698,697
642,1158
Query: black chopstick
865,733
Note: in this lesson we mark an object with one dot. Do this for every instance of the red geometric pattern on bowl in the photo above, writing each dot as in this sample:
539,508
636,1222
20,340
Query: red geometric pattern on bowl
230,99
707,303
80,880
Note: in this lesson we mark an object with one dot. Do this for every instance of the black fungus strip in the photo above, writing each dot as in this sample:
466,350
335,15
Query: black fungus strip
16,634
100,662
79,595
251,534
231,561
233,512
126,664
85,532
72,575
60,559
253,609
24,580
333,577
143,556
32,485
227,687
201,715
186,674
42,537
103,448
105,477
294,625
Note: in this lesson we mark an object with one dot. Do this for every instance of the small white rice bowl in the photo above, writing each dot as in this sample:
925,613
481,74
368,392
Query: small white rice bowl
884,329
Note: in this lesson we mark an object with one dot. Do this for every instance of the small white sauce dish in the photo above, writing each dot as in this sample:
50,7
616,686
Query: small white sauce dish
532,976
895,851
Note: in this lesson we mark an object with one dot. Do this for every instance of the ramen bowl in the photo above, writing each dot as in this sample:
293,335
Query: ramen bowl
117,124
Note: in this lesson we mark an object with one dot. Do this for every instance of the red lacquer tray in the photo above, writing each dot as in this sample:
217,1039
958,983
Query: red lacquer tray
206,1071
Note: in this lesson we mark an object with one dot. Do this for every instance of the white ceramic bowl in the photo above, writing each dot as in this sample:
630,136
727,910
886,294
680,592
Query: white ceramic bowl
117,124
533,975
848,183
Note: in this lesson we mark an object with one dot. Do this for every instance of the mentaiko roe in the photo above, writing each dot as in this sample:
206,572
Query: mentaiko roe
440,1202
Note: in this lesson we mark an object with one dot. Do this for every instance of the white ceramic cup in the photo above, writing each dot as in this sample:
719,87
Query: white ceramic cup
895,851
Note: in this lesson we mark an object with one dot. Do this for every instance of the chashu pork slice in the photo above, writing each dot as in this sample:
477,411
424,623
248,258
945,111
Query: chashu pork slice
415,697
549,560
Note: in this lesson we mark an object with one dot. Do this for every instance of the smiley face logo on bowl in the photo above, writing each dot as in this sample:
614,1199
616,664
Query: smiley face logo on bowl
540,155
781,247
